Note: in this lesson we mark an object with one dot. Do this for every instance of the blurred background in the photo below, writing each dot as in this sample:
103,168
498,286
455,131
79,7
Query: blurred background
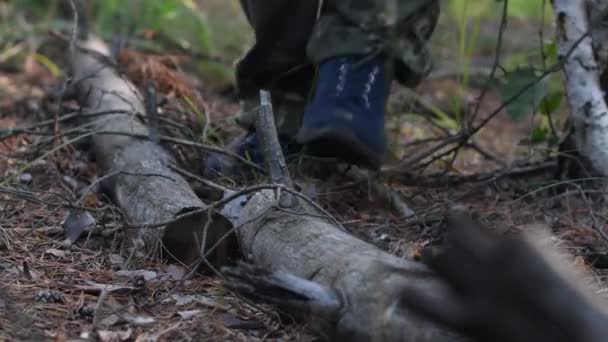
468,28
212,34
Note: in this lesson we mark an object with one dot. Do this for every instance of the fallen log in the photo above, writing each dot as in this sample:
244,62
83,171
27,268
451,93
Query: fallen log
302,260
139,177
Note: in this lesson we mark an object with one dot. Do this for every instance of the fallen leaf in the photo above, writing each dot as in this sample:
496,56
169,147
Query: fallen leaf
138,66
56,252
182,300
110,321
189,314
114,336
71,182
138,320
148,275
128,318
176,272
95,288
26,178
117,259
76,223
90,200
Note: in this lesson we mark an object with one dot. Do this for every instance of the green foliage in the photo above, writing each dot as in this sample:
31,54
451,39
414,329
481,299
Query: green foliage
521,81
551,102
467,16
43,9
523,9
460,9
529,91
526,9
544,96
178,20
175,22
468,34
520,102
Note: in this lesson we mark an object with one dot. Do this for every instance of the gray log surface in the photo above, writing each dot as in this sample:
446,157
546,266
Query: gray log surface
147,190
369,281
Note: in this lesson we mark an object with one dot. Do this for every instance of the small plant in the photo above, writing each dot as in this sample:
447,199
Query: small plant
467,15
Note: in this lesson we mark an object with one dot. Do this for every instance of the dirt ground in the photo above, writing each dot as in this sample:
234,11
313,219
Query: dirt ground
53,290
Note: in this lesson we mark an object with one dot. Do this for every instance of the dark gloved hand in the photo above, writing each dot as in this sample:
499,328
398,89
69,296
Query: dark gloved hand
501,289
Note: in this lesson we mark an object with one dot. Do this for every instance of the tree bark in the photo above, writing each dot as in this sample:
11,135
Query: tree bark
582,73
143,186
369,281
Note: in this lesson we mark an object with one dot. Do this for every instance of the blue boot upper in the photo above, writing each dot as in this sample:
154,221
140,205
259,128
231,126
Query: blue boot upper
346,117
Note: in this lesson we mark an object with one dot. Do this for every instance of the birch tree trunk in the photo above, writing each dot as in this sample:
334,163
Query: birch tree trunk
582,73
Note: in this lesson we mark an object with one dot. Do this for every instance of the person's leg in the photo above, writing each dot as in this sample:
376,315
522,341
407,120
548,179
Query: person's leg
277,62
360,46
396,28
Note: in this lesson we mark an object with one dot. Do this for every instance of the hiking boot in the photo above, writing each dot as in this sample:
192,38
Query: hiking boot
248,147
346,117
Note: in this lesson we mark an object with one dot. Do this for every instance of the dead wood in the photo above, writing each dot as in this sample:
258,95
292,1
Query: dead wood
370,282
143,199
350,289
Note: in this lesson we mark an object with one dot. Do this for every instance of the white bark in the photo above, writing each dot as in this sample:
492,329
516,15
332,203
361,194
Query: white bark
582,71
597,11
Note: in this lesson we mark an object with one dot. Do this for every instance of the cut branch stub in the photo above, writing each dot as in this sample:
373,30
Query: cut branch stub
271,148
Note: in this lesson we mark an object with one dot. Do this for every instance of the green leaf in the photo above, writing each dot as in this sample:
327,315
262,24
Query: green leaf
513,83
459,9
550,103
539,134
49,64
551,53
176,19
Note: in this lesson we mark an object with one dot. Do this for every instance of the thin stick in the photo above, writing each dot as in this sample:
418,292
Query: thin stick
271,148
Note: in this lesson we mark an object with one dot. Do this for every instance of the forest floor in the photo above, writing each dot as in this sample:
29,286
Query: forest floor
53,290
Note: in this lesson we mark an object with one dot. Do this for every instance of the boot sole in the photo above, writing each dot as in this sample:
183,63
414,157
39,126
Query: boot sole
326,142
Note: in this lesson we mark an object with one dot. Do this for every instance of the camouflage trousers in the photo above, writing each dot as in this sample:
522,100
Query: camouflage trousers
293,36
